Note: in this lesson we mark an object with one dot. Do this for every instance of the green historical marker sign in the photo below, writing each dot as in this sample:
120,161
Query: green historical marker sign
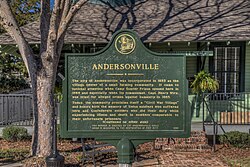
125,94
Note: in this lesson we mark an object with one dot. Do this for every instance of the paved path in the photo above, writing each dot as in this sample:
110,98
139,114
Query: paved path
169,159
190,159
179,159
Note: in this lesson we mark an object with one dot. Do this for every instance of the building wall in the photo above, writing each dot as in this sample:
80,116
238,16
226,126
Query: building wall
191,66
247,69
192,61
179,46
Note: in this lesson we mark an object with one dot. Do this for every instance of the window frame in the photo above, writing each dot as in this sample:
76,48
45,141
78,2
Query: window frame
242,46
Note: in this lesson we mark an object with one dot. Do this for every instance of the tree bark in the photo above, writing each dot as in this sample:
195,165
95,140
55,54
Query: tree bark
45,102
42,68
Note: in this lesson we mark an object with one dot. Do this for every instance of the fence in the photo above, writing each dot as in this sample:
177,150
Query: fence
224,108
17,109
227,108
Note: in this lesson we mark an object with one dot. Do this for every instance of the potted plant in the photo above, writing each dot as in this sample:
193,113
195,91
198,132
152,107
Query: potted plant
203,82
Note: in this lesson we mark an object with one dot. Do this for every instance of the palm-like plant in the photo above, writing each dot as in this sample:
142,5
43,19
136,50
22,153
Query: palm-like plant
204,81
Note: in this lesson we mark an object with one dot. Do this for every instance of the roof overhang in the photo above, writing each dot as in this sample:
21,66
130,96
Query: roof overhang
155,21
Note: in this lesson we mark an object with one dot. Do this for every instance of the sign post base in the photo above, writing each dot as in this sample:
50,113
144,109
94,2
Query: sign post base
126,152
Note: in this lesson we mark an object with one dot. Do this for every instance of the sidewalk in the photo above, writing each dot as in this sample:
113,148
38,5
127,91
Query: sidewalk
190,159
178,159
168,159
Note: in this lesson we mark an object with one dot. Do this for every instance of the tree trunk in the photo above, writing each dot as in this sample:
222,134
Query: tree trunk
35,115
45,112
43,109
42,69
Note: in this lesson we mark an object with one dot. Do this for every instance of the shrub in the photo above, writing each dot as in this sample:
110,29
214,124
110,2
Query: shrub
236,139
204,81
13,133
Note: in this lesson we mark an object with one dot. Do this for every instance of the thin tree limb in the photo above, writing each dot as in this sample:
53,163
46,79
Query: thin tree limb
53,28
69,16
44,23
66,8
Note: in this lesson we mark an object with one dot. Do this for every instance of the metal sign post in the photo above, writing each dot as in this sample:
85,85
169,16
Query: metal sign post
54,159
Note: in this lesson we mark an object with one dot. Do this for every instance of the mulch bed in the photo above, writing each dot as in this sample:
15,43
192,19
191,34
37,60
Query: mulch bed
227,153
72,151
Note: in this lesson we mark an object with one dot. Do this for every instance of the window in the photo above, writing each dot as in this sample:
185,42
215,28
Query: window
226,68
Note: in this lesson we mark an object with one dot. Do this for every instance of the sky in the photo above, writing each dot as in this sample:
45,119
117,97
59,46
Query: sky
51,3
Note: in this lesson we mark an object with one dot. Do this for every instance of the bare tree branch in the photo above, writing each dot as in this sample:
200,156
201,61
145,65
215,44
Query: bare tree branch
9,22
65,21
44,23
66,8
53,28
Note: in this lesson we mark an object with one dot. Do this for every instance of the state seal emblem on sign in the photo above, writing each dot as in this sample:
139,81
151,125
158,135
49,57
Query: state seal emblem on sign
125,44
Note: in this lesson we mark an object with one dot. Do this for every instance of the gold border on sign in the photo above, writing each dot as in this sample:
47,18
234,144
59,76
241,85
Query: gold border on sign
117,41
